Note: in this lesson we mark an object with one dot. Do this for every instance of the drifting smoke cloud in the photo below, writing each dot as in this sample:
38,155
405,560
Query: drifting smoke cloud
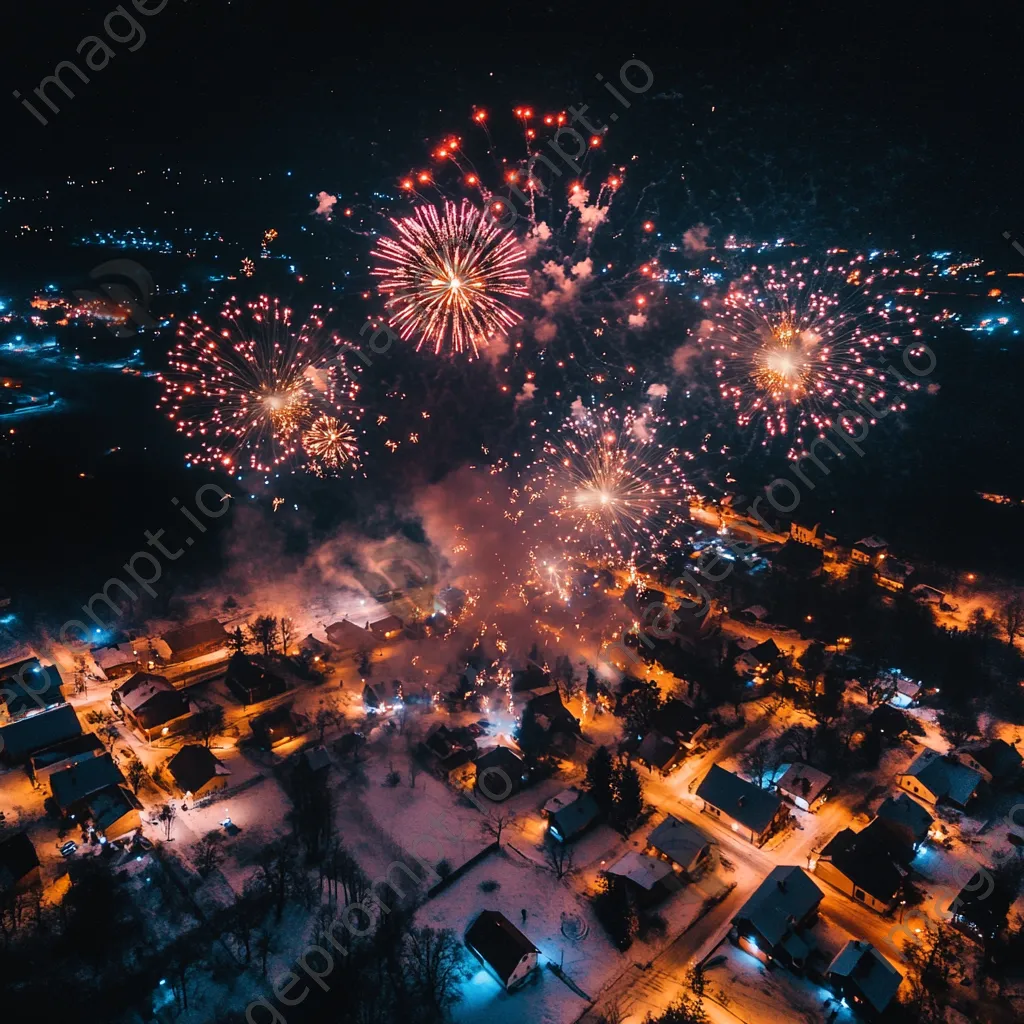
324,205
695,239
591,217
657,391
526,395
637,320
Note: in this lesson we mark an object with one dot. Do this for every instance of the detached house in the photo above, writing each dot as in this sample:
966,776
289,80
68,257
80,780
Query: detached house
746,808
502,948
679,843
195,640
28,687
804,786
934,778
152,705
197,772
770,923
998,762
251,683
861,865
573,818
649,878
19,740
864,978
19,865
905,820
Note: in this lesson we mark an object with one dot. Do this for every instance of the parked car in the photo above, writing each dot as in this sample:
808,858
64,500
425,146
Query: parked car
68,848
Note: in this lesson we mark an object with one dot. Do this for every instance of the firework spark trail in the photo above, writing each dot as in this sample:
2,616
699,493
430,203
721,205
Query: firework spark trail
794,345
246,392
616,492
443,275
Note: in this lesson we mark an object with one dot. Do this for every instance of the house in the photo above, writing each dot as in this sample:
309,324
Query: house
117,660
44,763
195,640
658,753
682,845
759,660
893,574
573,819
19,740
675,718
745,807
500,772
869,550
314,649
863,978
533,677
114,812
754,615
349,638
318,759
998,762
387,629
907,692
637,599
934,778
649,878
451,753
860,865
501,947
196,772
19,865
276,726
981,908
72,786
814,536
796,560
769,925
906,820
559,727
249,682
457,769
804,786
152,706
28,687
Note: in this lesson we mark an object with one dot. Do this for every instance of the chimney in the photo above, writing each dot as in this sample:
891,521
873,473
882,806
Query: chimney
781,884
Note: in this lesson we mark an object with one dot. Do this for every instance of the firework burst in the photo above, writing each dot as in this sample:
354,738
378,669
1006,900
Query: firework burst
446,275
794,346
330,445
246,392
616,492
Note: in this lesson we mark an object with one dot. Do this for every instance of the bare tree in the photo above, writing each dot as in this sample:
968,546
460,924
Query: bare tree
263,632
208,724
881,687
758,761
209,851
560,857
287,630
495,823
435,965
135,773
167,815
327,717
1012,617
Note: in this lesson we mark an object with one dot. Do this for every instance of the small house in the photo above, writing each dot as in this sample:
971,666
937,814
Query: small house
197,772
864,979
250,682
152,706
981,908
804,786
659,753
889,724
746,808
649,878
860,865
769,925
893,574
869,550
906,820
387,629
114,812
560,728
500,772
350,639
680,844
195,640
276,726
71,786
502,948
573,819
998,762
934,779
117,660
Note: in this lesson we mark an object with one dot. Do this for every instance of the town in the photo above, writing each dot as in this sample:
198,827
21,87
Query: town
802,793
